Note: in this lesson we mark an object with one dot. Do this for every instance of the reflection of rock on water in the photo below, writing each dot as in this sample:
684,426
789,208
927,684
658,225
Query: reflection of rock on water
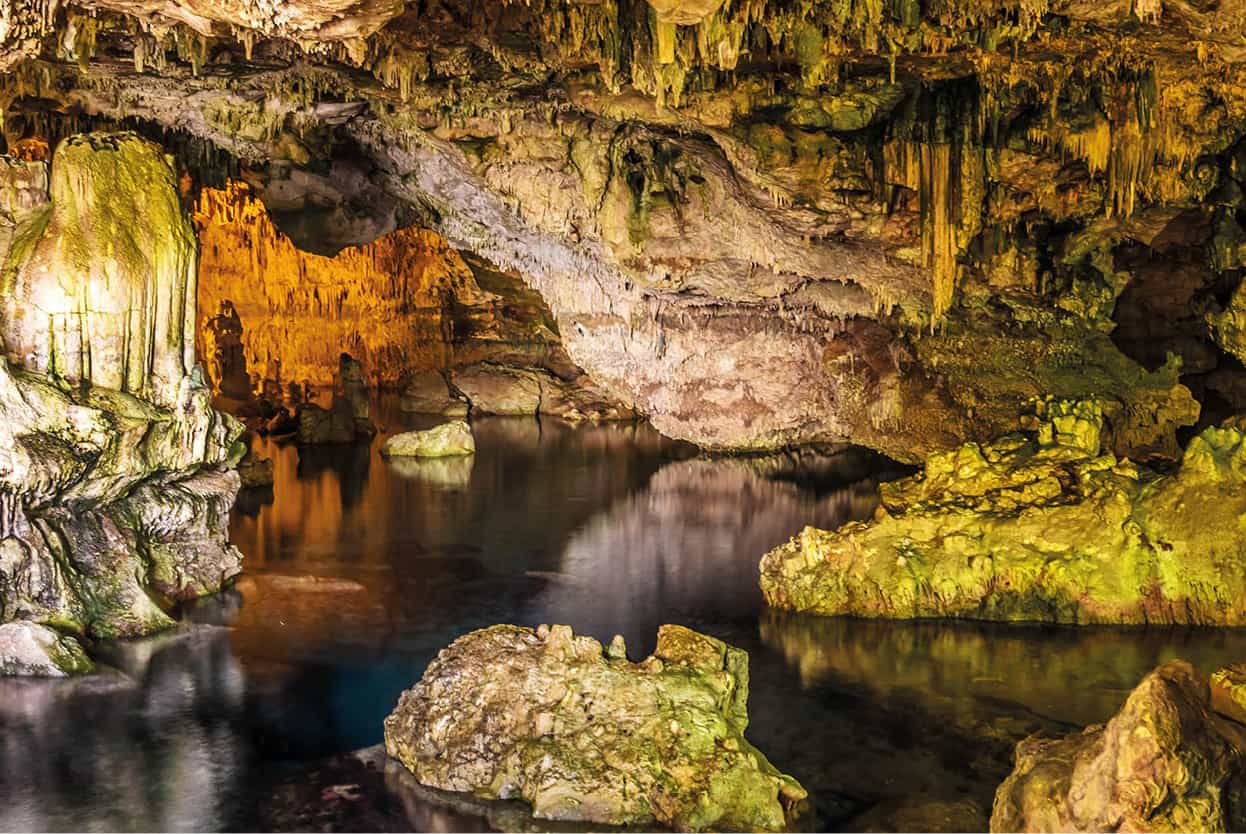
175,707
1072,676
448,472
688,544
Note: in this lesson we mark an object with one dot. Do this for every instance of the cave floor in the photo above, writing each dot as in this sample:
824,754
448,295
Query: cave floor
359,570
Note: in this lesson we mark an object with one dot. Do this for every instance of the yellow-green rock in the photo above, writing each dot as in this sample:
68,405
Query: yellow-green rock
584,735
1044,529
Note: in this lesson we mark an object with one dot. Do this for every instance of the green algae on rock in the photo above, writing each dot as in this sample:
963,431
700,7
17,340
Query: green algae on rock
35,650
585,735
115,472
1044,529
1168,761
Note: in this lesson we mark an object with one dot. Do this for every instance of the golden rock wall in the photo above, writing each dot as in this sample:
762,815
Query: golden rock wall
390,304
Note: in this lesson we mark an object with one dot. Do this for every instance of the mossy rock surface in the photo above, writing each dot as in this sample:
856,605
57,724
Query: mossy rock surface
582,734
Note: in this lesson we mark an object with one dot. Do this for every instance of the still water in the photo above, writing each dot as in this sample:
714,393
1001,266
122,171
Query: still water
359,570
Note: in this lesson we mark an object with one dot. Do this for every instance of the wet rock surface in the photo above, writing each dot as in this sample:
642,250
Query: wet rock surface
447,440
35,650
115,476
582,734
1041,528
1166,762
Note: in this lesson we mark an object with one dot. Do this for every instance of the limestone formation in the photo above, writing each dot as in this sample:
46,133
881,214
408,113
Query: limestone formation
491,388
38,651
584,735
114,482
426,392
1166,762
757,223
1045,529
447,440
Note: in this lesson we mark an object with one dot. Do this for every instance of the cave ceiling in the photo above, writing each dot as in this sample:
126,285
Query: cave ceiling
755,220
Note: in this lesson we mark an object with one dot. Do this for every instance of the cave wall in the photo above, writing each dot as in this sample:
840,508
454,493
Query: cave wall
761,223
404,303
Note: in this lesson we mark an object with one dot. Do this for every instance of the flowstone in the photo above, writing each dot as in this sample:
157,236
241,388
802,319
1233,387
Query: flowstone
116,475
585,735
1038,529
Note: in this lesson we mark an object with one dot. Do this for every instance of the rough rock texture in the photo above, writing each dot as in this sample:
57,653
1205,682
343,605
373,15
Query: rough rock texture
1166,762
584,735
38,651
1044,529
426,392
447,440
499,389
748,218
114,487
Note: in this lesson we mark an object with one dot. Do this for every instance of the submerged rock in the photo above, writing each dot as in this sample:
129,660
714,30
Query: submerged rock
447,440
584,735
1042,529
1166,762
38,651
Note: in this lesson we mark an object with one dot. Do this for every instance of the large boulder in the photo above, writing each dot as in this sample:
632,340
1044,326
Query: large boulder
326,426
447,440
1039,529
1166,762
497,389
426,392
38,651
585,735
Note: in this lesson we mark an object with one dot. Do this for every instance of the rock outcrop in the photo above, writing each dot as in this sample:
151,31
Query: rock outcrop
115,486
1166,762
447,440
585,735
426,392
33,650
1042,528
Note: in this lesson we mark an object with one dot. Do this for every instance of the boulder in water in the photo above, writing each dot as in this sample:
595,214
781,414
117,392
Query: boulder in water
1044,529
447,440
32,649
585,735
1166,762
428,393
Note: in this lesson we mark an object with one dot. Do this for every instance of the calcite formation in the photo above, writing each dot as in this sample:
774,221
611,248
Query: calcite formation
584,735
758,223
1168,761
115,486
447,440
1044,528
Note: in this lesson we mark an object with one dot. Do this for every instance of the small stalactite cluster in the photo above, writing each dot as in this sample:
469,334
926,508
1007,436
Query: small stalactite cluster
388,303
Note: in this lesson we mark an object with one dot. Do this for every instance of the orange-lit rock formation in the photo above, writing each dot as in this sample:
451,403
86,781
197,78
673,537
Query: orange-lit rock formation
397,304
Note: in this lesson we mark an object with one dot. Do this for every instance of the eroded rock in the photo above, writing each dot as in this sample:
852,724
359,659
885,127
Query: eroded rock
447,440
584,735
1045,529
426,392
115,486
1166,762
38,651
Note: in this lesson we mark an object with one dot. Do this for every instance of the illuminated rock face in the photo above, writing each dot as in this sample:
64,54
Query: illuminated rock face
584,735
1046,530
115,489
1168,761
103,302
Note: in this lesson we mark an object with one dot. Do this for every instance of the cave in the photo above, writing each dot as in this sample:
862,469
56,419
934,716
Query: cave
649,414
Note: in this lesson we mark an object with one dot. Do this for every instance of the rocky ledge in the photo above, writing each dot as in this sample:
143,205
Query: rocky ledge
1168,761
584,735
1038,528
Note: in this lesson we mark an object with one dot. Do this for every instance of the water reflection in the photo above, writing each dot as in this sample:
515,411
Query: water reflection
359,570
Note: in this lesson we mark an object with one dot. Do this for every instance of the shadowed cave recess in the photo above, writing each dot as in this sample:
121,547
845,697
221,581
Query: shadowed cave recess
478,402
